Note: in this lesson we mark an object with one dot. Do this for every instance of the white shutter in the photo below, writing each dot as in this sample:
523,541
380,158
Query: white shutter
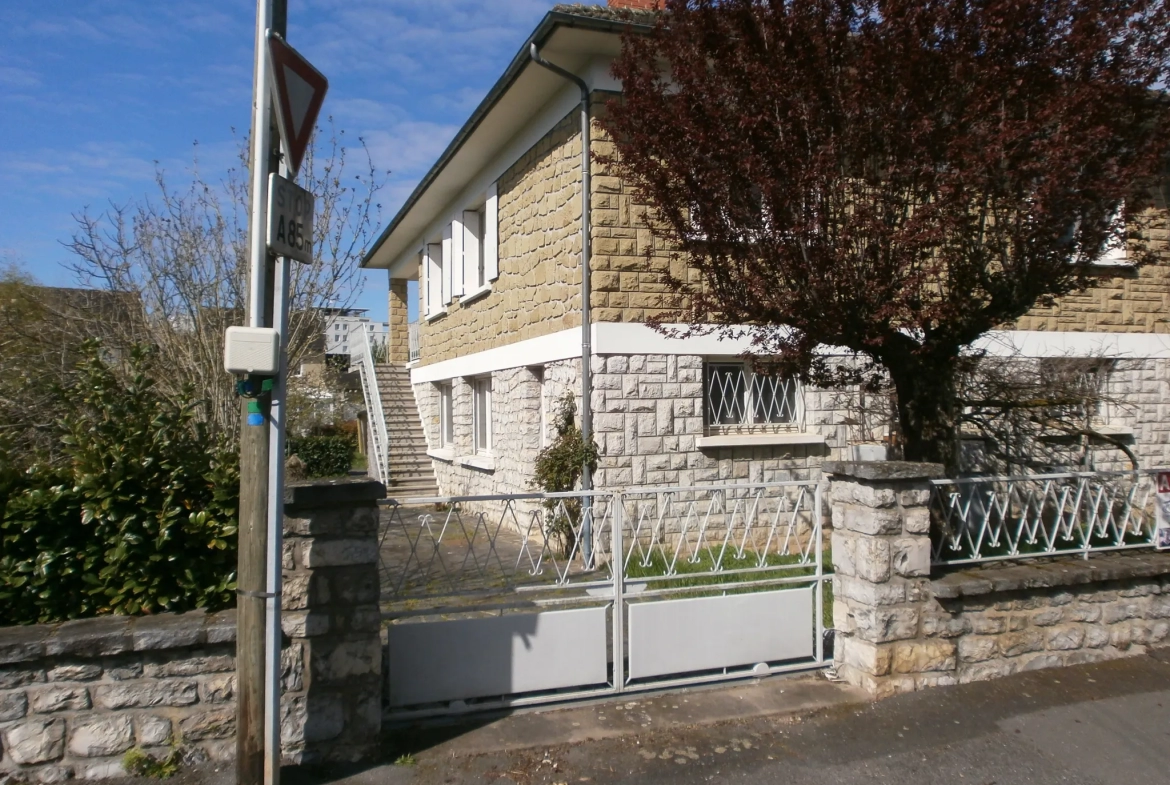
491,235
457,287
446,264
471,235
434,278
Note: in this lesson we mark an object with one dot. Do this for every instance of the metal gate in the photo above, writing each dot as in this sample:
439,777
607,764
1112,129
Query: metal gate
493,601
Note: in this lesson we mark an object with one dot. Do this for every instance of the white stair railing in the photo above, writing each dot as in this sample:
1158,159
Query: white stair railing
412,338
361,359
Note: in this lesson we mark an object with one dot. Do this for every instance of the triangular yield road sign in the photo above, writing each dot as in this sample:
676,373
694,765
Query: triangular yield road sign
299,90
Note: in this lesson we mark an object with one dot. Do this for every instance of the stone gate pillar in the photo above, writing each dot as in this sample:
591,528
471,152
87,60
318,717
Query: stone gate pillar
881,565
332,662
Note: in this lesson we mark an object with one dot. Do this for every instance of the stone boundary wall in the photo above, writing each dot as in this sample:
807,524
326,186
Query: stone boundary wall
76,696
899,628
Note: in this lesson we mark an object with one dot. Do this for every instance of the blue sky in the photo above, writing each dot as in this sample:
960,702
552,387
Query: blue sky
94,94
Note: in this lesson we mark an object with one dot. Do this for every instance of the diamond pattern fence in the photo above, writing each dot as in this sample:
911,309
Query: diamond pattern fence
990,518
737,532
476,548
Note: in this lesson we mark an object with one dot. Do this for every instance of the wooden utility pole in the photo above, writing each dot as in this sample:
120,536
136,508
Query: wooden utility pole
255,431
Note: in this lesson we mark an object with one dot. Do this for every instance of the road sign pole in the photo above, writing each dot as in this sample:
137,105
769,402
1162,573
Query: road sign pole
255,432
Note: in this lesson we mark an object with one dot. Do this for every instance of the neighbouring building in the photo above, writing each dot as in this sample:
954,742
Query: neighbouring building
340,324
491,235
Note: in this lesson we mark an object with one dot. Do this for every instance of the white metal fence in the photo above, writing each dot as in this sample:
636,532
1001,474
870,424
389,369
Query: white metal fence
530,598
989,518
361,358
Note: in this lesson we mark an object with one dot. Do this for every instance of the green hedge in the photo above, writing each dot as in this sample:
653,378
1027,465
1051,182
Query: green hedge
137,514
324,456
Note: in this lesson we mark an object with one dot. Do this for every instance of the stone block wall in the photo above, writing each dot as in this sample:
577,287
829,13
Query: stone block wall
516,422
901,628
1132,302
647,413
75,697
398,339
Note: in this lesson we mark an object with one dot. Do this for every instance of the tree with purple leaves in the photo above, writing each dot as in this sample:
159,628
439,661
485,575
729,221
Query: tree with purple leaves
894,177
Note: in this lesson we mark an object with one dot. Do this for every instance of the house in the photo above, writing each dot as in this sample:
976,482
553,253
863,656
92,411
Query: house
493,235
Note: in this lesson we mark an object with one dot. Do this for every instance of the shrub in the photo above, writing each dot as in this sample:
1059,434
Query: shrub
558,469
138,515
324,456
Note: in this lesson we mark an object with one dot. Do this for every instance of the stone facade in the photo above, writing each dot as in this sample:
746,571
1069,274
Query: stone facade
517,399
75,697
1133,302
626,287
538,290
648,414
899,630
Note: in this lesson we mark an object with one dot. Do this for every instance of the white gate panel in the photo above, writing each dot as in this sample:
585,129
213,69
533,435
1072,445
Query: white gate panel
681,636
473,658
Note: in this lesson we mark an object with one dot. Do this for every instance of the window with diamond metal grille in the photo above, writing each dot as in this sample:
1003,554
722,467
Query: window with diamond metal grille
737,396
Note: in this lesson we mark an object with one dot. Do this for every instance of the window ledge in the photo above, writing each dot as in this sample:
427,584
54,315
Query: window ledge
475,295
758,440
485,463
436,315
445,454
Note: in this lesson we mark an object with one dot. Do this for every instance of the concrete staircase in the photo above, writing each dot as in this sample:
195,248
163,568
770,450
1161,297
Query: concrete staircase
410,468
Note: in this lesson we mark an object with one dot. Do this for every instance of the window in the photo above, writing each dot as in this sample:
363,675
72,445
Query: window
1115,253
446,410
481,413
736,396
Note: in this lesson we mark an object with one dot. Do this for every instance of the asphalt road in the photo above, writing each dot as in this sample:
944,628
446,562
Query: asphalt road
1106,724
1088,725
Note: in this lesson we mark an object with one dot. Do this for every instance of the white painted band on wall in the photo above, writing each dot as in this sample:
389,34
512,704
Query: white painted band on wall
615,338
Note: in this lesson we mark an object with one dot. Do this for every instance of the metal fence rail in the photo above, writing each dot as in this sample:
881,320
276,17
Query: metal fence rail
991,518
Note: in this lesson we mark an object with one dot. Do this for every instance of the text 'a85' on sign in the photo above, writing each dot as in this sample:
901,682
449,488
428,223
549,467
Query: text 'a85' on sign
290,219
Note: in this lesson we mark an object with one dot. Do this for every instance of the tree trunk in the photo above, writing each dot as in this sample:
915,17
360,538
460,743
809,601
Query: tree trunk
925,385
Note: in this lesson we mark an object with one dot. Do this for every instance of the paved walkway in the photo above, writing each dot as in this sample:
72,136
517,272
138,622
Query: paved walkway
1088,725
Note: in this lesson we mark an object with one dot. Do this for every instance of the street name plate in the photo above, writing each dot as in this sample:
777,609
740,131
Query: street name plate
290,219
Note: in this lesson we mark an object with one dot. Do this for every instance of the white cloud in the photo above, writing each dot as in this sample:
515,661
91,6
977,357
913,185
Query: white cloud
410,147
19,77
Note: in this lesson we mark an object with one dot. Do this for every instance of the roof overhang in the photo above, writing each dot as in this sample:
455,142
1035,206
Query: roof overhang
567,39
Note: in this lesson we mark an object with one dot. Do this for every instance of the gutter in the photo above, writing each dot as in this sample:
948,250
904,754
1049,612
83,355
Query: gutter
544,30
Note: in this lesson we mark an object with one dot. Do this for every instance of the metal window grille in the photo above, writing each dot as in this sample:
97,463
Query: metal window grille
736,396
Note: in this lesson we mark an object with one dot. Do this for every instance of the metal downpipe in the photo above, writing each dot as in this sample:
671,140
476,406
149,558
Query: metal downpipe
586,320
